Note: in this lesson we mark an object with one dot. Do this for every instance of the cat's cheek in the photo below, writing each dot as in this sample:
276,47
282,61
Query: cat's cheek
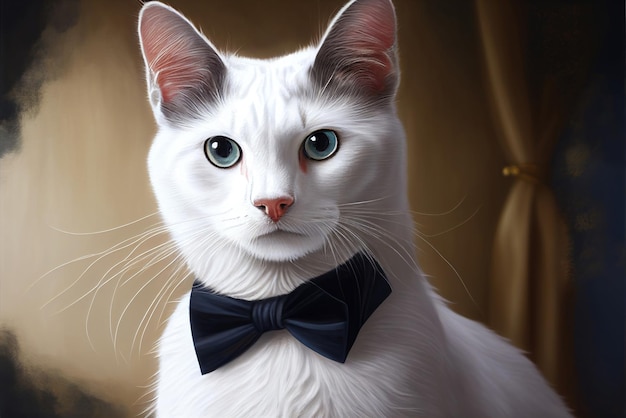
344,178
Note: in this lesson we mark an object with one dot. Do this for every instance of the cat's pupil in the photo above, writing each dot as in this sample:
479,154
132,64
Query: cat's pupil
320,141
222,147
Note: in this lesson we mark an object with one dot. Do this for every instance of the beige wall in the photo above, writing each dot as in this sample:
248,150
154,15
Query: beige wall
81,168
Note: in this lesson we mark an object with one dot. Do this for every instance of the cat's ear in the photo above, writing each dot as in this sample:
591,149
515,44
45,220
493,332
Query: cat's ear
183,69
358,50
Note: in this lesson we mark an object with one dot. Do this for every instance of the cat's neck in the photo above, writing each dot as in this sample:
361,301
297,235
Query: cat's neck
243,276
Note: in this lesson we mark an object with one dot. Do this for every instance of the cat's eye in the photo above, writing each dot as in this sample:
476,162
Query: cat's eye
222,152
320,145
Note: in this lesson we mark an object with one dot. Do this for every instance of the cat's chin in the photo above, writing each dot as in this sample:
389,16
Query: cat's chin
282,245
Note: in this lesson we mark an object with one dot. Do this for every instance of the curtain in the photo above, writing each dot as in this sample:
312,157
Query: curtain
529,274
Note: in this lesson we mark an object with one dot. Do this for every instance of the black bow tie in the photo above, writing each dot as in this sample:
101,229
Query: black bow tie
325,314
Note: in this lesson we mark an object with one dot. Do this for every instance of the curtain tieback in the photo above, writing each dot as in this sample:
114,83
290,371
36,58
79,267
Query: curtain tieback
529,172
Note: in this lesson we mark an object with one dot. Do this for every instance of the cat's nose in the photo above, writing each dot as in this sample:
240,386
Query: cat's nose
274,208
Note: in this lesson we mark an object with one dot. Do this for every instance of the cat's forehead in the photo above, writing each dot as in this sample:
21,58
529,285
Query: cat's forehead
267,96
283,78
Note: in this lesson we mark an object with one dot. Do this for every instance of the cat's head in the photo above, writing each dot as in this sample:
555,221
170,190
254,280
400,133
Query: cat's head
275,158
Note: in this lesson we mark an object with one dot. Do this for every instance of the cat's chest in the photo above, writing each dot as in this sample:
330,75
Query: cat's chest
279,376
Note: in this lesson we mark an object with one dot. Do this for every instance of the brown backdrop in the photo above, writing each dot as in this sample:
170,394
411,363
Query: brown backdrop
81,169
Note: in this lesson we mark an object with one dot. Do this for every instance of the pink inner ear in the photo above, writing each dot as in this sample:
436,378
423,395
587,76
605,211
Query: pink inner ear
363,38
373,26
173,50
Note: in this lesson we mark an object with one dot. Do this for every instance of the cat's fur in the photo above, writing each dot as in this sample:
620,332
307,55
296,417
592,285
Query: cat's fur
414,356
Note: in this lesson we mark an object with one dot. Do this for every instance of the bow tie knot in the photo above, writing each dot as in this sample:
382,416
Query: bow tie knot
267,314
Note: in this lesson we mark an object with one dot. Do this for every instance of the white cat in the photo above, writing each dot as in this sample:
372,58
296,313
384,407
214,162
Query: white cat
271,172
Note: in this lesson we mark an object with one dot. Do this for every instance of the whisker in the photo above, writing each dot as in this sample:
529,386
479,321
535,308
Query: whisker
373,229
100,283
104,230
453,228
456,273
173,284
363,202
363,221
149,307
163,251
449,211
101,255
110,250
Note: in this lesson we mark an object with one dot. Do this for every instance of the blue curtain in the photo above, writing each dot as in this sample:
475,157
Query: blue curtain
589,179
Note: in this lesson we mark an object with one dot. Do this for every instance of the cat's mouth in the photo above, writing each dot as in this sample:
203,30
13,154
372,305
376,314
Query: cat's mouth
280,233
281,243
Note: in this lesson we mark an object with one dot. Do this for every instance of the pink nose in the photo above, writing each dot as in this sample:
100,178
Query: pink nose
274,208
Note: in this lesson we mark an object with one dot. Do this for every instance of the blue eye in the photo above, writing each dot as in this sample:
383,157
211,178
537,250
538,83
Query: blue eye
320,145
222,152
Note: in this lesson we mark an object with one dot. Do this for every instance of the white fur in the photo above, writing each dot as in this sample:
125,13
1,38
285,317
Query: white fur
414,357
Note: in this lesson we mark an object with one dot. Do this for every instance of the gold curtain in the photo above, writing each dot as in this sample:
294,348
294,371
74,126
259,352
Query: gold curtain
529,275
